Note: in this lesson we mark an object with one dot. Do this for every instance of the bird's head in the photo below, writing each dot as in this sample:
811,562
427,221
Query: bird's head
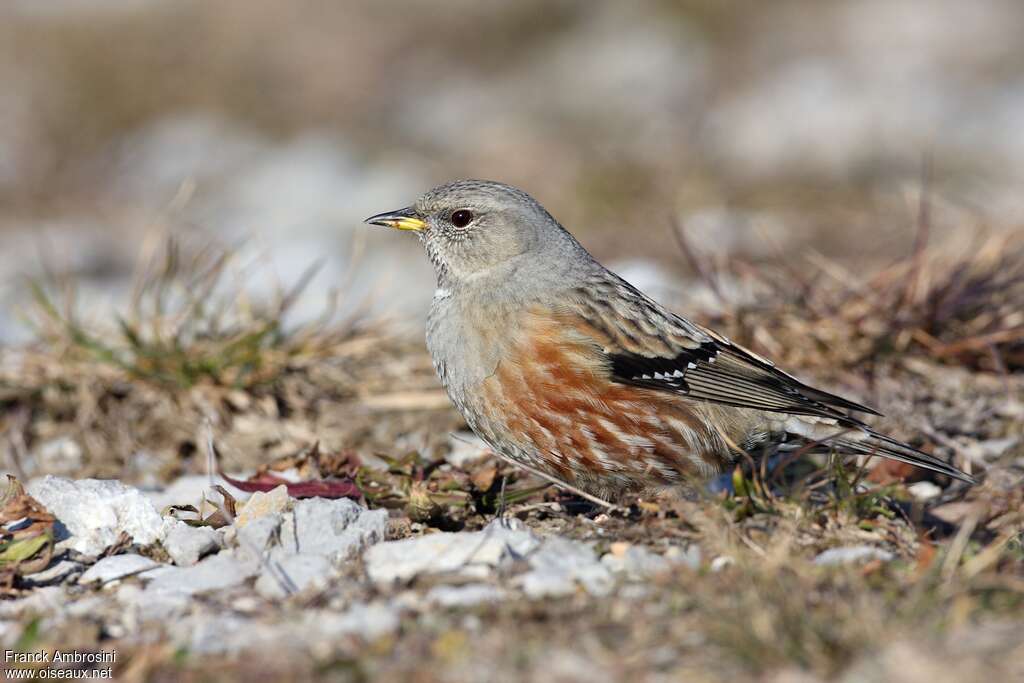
472,228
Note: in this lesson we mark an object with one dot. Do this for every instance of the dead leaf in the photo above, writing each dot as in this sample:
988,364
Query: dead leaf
343,464
892,472
925,556
323,488
121,544
26,532
483,477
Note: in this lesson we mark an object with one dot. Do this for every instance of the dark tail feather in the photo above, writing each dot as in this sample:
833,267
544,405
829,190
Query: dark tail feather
836,401
873,443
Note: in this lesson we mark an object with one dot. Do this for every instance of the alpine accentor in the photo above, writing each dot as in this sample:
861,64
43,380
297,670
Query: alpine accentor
558,363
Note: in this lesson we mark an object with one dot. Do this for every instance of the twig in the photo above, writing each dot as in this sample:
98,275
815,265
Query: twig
695,262
16,447
958,546
981,342
750,544
924,213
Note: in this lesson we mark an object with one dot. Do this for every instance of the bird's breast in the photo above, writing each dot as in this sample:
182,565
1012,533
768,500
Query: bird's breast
466,342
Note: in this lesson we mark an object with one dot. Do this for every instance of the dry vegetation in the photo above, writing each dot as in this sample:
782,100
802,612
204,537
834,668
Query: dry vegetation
936,339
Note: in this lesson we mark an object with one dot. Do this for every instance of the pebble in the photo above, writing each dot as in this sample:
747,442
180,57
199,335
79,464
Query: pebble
339,529
217,572
852,554
94,512
467,595
560,566
188,544
690,556
147,605
117,567
261,504
924,490
255,537
210,634
369,621
994,448
314,630
635,562
284,576
721,562
472,554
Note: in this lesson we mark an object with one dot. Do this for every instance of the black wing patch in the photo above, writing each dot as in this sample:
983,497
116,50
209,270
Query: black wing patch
659,370
720,372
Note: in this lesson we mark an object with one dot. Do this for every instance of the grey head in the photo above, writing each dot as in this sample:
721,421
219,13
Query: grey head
481,230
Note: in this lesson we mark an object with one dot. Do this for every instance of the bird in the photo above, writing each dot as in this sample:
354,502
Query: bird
562,366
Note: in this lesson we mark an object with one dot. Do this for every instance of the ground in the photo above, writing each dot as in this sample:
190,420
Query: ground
819,569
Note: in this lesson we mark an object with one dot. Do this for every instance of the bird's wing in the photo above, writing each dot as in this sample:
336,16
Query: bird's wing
647,346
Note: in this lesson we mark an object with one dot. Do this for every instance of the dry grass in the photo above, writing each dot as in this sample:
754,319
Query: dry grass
194,346
963,309
189,323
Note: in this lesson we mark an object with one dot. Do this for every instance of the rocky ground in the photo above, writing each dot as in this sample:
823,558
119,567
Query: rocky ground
365,536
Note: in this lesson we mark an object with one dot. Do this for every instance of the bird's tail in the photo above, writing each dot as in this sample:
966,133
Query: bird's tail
861,439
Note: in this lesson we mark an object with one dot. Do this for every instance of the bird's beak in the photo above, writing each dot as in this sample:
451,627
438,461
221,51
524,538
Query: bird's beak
403,219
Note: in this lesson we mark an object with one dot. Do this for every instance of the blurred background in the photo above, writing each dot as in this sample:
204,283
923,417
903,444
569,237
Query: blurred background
276,127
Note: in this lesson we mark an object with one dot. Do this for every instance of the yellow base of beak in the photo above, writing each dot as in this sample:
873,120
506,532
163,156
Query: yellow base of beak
403,219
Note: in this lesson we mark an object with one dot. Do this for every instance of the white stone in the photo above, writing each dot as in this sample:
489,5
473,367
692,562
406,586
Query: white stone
339,529
117,567
256,537
561,566
152,606
465,553
994,448
86,607
93,512
636,562
283,574
261,504
852,554
924,490
369,621
209,634
314,629
465,596
690,556
188,544
721,562
217,572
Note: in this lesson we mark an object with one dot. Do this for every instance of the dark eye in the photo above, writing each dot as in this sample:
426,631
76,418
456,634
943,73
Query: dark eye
461,218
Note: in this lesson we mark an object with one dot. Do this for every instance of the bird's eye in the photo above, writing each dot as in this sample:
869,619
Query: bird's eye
461,218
